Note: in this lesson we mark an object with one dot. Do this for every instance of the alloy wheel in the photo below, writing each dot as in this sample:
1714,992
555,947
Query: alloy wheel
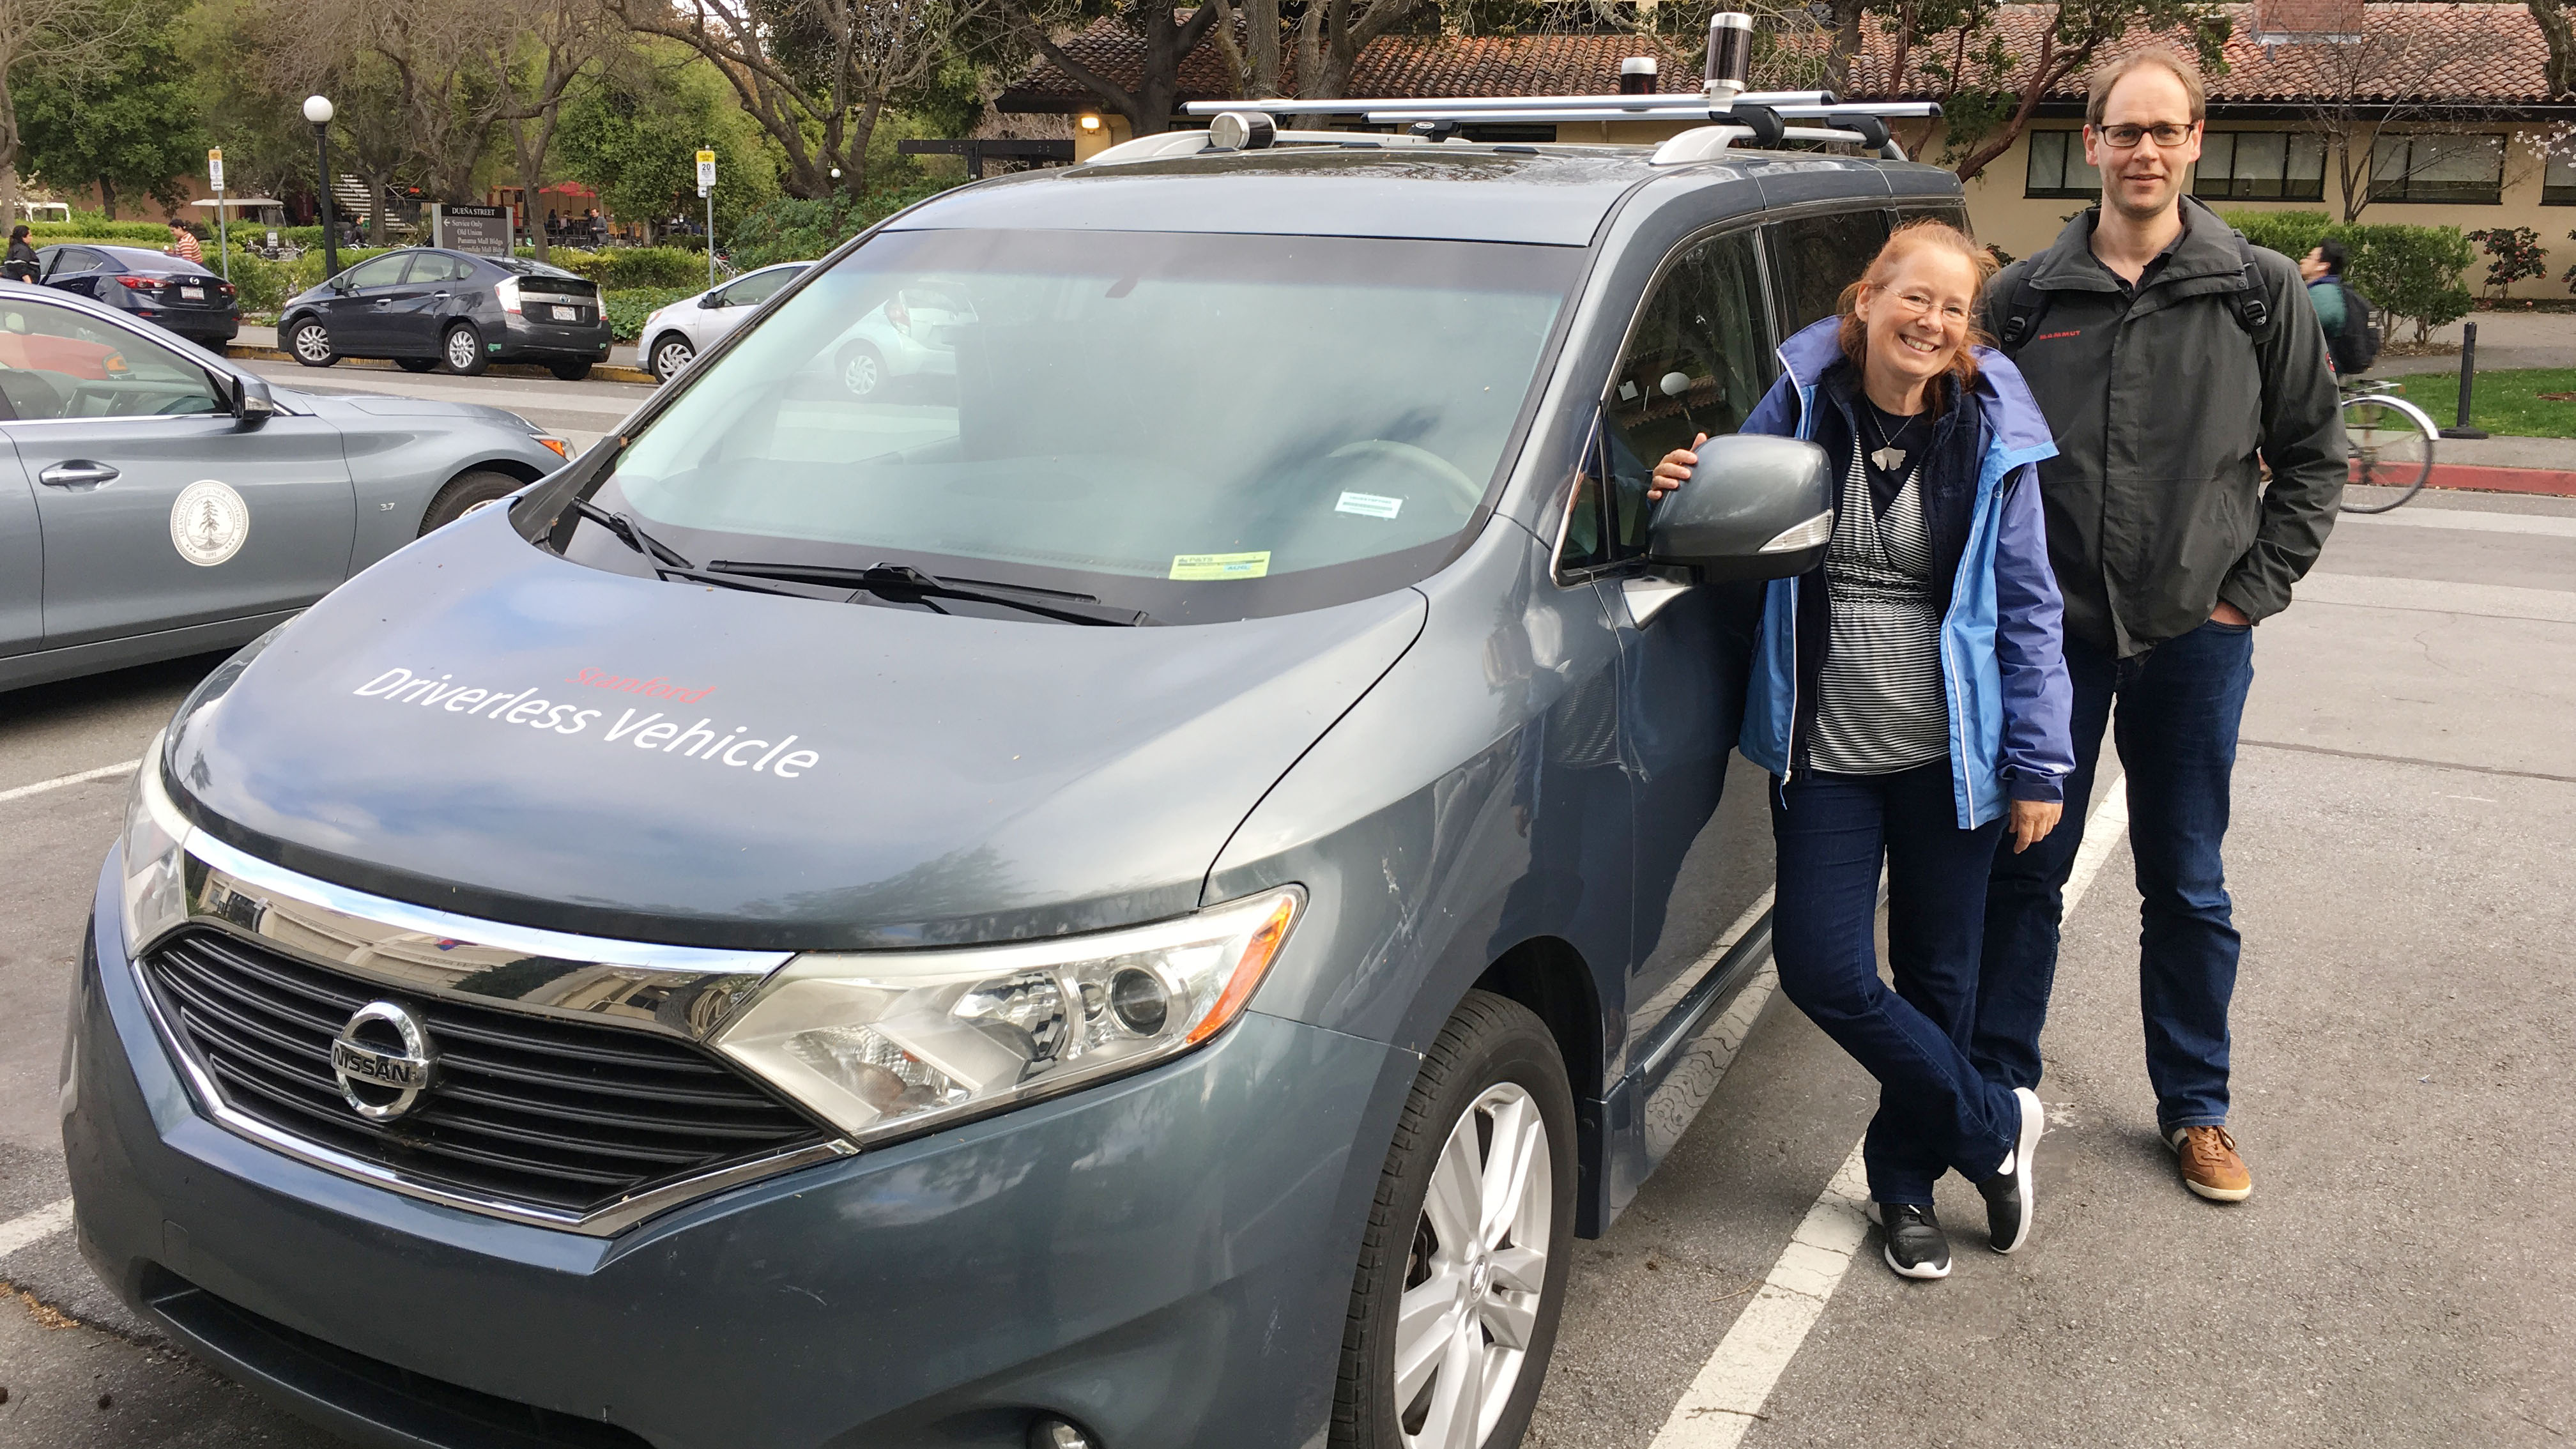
1476,1273
312,344
860,375
462,349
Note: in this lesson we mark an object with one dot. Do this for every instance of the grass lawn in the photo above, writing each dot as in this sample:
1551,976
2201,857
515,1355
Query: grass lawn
2507,403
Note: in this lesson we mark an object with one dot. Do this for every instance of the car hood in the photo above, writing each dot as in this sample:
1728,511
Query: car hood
893,777
326,404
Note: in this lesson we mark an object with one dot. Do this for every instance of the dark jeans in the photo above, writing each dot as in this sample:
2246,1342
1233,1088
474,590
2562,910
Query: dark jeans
1935,1110
2179,707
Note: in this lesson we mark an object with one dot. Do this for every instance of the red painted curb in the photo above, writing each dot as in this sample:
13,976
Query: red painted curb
2503,480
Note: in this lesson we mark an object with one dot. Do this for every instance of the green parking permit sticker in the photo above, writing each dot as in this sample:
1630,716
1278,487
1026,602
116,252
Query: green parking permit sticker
1220,565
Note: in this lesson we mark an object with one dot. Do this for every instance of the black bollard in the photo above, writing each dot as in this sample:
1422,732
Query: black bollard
2468,375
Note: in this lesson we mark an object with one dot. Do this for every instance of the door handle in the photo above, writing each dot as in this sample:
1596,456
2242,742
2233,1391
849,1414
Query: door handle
384,301
77,473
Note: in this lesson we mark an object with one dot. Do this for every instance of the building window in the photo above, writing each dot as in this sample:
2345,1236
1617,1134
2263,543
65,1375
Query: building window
2058,167
2463,170
2261,166
2558,184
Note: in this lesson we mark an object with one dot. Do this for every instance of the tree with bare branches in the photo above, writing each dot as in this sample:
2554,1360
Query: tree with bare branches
2392,79
1995,90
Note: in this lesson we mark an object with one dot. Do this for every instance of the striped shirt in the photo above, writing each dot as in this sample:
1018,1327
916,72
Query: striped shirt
184,244
1880,705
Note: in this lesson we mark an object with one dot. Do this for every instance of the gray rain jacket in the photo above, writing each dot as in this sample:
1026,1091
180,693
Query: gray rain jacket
2164,409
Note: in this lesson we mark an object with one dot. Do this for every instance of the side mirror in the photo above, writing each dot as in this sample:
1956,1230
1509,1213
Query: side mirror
253,403
1755,508
711,299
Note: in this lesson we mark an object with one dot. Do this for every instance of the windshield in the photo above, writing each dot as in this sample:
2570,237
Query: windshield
1199,427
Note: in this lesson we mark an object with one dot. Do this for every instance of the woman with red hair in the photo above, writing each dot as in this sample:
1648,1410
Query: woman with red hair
1909,699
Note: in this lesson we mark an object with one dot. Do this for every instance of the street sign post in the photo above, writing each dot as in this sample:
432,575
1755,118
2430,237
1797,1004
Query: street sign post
223,245
481,230
707,189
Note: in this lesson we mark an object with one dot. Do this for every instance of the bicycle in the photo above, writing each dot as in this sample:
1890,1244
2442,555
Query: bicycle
2391,441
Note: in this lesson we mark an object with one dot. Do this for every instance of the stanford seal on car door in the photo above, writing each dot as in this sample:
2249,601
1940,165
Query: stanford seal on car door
158,507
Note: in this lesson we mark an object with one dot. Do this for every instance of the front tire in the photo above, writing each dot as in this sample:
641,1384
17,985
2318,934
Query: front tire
466,492
1462,1268
669,355
863,370
462,350
310,341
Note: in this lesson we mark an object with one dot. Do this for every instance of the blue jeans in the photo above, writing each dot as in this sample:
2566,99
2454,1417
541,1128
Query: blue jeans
2179,707
1935,1110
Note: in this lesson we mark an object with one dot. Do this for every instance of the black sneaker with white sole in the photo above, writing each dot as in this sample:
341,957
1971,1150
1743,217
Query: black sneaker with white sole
2008,1193
1916,1246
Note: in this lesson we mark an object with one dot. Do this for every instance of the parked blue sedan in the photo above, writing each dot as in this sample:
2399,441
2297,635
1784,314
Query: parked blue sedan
172,291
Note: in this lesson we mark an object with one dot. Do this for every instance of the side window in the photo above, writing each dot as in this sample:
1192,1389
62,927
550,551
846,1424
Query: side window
56,363
1818,256
753,290
1697,361
435,267
381,271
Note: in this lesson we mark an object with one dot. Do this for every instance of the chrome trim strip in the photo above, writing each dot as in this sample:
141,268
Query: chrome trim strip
607,1222
682,991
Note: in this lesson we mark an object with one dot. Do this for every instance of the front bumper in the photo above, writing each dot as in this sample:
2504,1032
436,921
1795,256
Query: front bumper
1165,1259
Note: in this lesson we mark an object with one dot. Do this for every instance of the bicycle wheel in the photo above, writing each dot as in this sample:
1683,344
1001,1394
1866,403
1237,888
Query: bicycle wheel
2392,447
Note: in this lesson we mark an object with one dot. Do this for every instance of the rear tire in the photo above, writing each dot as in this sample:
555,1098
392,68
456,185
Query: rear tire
310,342
1483,1261
462,351
417,364
466,492
569,371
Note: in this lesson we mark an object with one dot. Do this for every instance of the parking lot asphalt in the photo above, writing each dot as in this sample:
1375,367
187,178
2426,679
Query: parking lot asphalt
2404,869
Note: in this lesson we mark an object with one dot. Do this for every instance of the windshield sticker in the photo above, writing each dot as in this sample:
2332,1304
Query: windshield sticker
208,522
1369,505
705,740
1221,565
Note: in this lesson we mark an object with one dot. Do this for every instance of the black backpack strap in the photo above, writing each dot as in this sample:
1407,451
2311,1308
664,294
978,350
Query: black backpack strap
2021,318
2253,309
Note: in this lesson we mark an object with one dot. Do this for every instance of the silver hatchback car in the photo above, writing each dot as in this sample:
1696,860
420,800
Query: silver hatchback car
674,336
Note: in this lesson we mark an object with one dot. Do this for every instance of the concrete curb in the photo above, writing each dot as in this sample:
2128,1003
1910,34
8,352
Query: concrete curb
599,371
2503,480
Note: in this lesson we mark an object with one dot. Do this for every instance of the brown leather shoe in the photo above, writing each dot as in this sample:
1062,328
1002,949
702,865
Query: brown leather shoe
2210,1165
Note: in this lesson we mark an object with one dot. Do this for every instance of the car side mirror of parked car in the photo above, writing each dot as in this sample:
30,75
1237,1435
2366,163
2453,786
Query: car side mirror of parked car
1756,507
253,403
711,299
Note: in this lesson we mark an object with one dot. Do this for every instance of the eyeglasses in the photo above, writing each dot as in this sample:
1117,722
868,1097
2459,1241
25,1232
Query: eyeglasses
2167,135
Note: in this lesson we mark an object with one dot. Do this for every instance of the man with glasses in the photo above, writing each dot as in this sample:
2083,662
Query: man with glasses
2173,361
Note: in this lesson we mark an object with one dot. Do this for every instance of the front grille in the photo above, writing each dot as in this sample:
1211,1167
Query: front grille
534,1110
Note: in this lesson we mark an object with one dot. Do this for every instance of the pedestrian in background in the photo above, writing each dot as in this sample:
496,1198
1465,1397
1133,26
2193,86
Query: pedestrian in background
2174,361
2340,310
22,264
1909,701
183,243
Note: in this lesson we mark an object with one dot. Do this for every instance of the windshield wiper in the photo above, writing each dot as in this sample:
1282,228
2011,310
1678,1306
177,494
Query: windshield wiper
628,532
902,584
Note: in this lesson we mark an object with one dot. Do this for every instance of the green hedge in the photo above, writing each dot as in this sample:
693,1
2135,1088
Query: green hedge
2413,272
789,229
628,307
628,268
119,233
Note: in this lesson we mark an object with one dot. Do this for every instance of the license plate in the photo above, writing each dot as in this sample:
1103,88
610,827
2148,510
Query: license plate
192,294
567,314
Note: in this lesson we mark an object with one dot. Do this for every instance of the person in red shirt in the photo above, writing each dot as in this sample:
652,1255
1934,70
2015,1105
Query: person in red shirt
183,243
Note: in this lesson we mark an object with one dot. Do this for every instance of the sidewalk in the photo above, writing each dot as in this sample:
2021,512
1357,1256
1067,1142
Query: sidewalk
2505,340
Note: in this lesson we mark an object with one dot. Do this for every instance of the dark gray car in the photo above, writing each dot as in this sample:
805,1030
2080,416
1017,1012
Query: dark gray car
1139,896
163,501
427,309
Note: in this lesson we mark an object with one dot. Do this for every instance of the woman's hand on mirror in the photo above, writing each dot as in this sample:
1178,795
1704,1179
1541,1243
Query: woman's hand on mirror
1674,471
2032,820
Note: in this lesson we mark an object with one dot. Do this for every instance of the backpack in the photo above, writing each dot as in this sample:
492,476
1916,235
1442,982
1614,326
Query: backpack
2253,310
2356,347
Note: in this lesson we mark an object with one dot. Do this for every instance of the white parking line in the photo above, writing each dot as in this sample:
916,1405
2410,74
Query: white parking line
2472,521
1722,1403
103,772
35,1227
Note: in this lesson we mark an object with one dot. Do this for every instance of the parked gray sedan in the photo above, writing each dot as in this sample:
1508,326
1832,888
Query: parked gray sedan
167,502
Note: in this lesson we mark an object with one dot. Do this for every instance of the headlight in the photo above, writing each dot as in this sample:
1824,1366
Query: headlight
883,1043
156,889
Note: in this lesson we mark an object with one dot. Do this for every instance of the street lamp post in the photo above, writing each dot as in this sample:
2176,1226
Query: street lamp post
317,109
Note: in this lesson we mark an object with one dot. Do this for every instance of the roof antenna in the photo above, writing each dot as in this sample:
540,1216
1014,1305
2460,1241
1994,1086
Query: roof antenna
1730,55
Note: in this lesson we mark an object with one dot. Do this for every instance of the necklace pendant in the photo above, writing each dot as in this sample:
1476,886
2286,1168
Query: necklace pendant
1888,459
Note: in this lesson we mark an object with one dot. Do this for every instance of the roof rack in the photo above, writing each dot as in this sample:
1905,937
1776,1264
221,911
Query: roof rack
1731,113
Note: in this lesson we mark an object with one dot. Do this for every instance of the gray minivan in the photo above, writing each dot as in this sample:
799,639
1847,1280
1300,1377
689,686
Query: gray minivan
1134,895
